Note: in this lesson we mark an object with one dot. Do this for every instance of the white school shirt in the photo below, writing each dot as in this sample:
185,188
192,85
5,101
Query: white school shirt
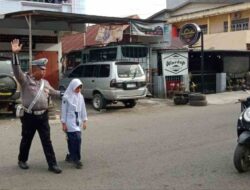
68,115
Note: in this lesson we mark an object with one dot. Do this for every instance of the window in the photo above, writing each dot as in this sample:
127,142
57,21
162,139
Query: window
73,59
85,58
134,52
6,66
89,71
77,72
203,28
128,70
225,26
104,71
237,25
103,54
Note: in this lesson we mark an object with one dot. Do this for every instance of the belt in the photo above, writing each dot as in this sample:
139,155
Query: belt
35,112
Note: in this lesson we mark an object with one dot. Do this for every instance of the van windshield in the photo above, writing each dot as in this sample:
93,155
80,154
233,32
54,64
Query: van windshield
129,70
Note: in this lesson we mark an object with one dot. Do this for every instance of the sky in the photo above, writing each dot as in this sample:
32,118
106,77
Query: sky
123,8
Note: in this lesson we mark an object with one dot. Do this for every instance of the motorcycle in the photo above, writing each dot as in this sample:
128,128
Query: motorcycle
242,150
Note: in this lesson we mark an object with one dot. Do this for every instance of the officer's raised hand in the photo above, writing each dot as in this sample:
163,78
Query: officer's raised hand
16,46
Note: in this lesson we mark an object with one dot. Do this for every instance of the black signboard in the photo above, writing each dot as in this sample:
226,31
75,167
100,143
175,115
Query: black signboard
190,34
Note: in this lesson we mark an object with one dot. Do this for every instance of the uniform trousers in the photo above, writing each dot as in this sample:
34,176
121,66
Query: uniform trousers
74,145
30,124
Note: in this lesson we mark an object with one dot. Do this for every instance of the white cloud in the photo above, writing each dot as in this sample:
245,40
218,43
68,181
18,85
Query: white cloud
122,8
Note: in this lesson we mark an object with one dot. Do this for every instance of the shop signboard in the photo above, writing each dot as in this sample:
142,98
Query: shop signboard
175,63
190,34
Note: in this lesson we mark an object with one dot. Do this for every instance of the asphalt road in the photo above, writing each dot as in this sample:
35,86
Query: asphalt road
154,146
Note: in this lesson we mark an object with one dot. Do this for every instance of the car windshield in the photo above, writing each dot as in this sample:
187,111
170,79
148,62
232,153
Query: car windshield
5,66
129,70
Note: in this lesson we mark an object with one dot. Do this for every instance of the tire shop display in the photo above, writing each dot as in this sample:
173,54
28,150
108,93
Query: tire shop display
197,99
181,98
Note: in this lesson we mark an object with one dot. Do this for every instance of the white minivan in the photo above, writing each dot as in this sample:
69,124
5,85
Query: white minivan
109,82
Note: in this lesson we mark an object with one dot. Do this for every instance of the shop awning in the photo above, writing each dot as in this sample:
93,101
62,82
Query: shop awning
59,21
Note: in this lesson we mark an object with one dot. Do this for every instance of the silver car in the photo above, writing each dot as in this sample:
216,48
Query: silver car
109,82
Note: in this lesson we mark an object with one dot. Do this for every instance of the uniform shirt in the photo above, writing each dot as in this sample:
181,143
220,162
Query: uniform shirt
68,116
30,87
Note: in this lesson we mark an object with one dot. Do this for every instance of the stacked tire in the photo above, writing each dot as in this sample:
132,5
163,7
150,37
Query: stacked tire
181,99
197,99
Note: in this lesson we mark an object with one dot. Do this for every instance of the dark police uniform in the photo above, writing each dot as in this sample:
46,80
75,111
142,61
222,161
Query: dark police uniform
37,118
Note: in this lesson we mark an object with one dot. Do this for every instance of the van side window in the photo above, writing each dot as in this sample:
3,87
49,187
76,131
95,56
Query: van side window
106,54
96,70
88,71
134,52
104,71
77,72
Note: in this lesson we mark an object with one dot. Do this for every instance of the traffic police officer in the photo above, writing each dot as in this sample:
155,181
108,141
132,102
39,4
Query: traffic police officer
37,117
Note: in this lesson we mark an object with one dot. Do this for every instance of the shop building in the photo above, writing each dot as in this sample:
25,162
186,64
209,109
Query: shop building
225,26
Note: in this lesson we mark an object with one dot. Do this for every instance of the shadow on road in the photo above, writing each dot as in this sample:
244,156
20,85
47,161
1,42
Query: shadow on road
7,116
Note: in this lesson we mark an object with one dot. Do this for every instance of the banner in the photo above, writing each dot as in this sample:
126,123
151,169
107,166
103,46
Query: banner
107,34
165,40
145,29
167,33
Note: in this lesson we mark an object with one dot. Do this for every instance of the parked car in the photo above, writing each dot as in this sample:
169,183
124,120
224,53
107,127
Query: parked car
9,87
109,82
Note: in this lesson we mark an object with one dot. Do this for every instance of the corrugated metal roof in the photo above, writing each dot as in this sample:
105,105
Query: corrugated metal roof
45,16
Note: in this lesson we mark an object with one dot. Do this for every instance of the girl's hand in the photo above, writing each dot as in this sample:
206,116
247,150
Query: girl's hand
16,46
64,127
84,126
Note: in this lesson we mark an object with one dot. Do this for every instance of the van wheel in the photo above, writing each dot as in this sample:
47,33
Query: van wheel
129,103
98,102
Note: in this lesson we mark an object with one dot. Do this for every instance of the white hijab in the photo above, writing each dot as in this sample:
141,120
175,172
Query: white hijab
76,99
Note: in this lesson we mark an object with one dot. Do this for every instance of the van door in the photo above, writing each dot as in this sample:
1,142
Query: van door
88,80
102,79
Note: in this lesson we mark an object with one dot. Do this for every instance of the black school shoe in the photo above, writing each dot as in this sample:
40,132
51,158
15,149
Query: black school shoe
67,158
55,169
23,165
78,164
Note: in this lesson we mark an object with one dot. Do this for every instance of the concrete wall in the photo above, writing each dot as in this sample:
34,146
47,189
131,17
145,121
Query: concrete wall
227,41
194,7
8,6
78,6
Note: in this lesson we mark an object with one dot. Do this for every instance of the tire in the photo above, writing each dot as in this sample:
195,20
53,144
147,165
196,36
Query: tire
13,109
197,96
98,102
180,100
198,102
242,158
182,94
129,103
9,86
